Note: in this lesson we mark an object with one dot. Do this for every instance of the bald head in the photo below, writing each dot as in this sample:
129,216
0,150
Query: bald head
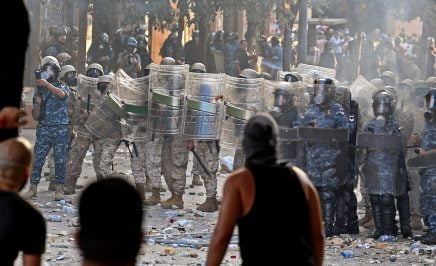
15,160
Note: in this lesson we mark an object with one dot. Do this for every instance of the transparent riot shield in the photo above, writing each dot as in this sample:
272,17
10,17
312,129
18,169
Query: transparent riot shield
382,163
87,94
202,107
242,99
104,120
134,95
165,109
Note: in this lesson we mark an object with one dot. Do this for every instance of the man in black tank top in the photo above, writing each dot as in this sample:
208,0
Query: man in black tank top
250,199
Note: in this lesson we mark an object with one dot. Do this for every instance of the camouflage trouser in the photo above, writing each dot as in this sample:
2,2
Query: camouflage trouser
239,160
138,161
51,164
195,167
153,156
365,195
414,180
175,161
46,138
106,149
78,153
208,153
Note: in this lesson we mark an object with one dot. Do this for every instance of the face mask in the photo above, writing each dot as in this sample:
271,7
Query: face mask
93,73
380,121
102,86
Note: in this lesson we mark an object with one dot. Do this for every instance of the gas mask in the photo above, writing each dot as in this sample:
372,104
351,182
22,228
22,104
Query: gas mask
102,86
93,73
47,72
70,79
322,94
382,107
419,102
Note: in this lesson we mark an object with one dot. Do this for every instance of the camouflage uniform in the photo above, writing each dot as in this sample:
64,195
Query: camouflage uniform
239,160
52,131
208,153
174,165
138,162
428,178
105,149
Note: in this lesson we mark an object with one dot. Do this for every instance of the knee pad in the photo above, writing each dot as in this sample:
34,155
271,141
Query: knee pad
387,200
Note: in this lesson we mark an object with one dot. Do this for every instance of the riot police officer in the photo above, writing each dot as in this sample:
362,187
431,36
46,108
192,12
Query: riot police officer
321,156
381,166
51,112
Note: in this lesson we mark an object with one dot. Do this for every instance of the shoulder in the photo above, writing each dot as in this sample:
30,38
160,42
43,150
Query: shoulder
305,182
22,209
238,177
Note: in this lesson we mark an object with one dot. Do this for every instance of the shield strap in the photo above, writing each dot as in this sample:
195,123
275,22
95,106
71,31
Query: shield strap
424,161
323,135
385,142
84,105
166,99
238,113
202,106
114,105
135,110
288,134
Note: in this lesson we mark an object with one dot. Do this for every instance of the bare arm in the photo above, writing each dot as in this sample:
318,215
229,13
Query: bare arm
31,260
229,213
56,91
316,224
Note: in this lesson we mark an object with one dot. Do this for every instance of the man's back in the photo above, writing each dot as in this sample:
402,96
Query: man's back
22,228
277,190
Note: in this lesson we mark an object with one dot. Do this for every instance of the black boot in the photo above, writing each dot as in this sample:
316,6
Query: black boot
340,222
351,210
328,203
429,239
376,214
388,215
403,205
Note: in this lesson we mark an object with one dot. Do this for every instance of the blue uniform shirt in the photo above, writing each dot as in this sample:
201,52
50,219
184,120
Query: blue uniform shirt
54,110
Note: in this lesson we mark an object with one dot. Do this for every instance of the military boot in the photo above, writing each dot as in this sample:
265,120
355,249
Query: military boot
70,186
196,181
367,218
52,185
210,205
174,200
59,193
31,193
154,199
416,222
141,190
377,216
403,207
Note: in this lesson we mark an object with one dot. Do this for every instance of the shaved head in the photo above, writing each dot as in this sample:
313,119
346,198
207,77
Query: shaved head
15,160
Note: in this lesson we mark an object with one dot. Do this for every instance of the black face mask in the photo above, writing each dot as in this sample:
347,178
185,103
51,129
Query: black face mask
102,86
93,73
70,79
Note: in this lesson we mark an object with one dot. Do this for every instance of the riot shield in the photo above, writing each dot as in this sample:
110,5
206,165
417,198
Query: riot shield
87,95
382,165
202,108
242,99
165,109
104,120
134,95
423,161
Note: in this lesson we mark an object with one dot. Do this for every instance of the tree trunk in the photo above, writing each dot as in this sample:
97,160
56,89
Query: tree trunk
287,48
83,27
180,29
302,31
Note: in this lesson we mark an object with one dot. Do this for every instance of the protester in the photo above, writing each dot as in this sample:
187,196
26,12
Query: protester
110,227
262,188
22,228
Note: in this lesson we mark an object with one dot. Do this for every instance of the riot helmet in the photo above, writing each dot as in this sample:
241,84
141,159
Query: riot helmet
293,77
323,90
132,42
382,106
343,97
377,83
265,75
69,75
388,78
61,34
283,98
393,93
94,70
50,69
103,82
431,82
248,73
198,68
419,90
169,61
